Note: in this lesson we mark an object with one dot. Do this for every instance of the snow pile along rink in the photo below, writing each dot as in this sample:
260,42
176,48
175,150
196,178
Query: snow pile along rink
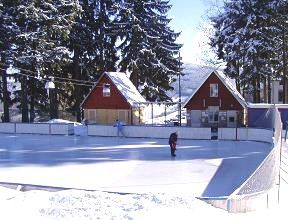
74,204
77,204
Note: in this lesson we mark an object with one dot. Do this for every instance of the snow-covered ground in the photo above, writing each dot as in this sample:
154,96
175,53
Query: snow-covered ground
77,204
158,187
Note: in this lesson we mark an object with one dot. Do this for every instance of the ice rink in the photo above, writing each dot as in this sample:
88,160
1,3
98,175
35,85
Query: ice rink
138,165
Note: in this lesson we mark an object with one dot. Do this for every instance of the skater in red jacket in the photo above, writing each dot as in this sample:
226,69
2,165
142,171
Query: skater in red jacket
173,142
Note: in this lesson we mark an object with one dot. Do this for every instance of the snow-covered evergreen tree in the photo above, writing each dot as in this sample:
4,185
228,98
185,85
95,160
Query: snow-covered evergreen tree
7,30
92,43
148,47
278,9
42,27
245,40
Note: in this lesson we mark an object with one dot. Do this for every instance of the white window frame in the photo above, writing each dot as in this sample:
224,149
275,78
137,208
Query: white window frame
214,90
106,90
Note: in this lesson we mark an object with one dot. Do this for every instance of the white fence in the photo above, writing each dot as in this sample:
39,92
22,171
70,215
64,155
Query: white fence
61,129
259,189
37,128
242,134
23,128
150,131
7,128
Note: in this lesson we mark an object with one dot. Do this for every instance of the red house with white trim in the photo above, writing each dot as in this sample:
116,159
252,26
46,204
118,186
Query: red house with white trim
215,103
114,97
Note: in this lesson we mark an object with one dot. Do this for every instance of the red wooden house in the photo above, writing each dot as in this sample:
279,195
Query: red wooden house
113,97
215,103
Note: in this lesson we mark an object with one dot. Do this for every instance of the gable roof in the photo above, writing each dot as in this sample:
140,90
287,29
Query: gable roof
228,84
124,86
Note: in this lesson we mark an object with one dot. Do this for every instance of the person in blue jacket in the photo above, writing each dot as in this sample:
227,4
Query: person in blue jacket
119,127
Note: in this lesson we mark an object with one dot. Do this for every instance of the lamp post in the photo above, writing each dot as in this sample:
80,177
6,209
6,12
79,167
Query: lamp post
50,86
79,112
179,87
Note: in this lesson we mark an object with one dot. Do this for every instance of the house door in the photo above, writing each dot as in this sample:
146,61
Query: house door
213,119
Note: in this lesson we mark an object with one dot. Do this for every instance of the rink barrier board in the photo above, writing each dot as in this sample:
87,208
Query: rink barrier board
150,131
243,134
7,128
66,129
37,128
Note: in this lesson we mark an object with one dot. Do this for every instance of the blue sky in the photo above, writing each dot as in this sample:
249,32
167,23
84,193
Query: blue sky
187,17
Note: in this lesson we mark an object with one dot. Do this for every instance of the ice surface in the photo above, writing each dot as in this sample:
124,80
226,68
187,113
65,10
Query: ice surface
128,164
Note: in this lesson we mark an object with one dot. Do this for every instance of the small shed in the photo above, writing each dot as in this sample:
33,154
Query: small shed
114,97
215,103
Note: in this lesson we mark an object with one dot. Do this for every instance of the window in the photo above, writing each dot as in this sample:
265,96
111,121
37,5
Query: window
106,90
213,90
231,119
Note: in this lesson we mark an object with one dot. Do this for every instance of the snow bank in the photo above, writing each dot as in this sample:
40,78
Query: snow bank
76,204
62,121
79,128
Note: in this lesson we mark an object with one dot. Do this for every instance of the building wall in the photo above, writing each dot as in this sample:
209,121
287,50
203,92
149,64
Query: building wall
201,104
96,100
109,116
225,100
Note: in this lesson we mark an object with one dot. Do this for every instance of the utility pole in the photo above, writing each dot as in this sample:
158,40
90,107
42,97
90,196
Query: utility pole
179,87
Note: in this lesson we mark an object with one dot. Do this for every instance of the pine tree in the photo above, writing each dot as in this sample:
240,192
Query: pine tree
278,9
8,31
148,47
42,28
92,42
245,40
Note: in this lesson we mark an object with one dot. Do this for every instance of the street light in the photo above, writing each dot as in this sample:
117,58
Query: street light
50,85
179,87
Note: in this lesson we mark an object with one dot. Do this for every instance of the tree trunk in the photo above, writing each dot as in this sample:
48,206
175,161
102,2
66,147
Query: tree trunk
238,78
258,95
269,89
24,100
265,92
254,90
32,101
53,104
32,108
6,98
